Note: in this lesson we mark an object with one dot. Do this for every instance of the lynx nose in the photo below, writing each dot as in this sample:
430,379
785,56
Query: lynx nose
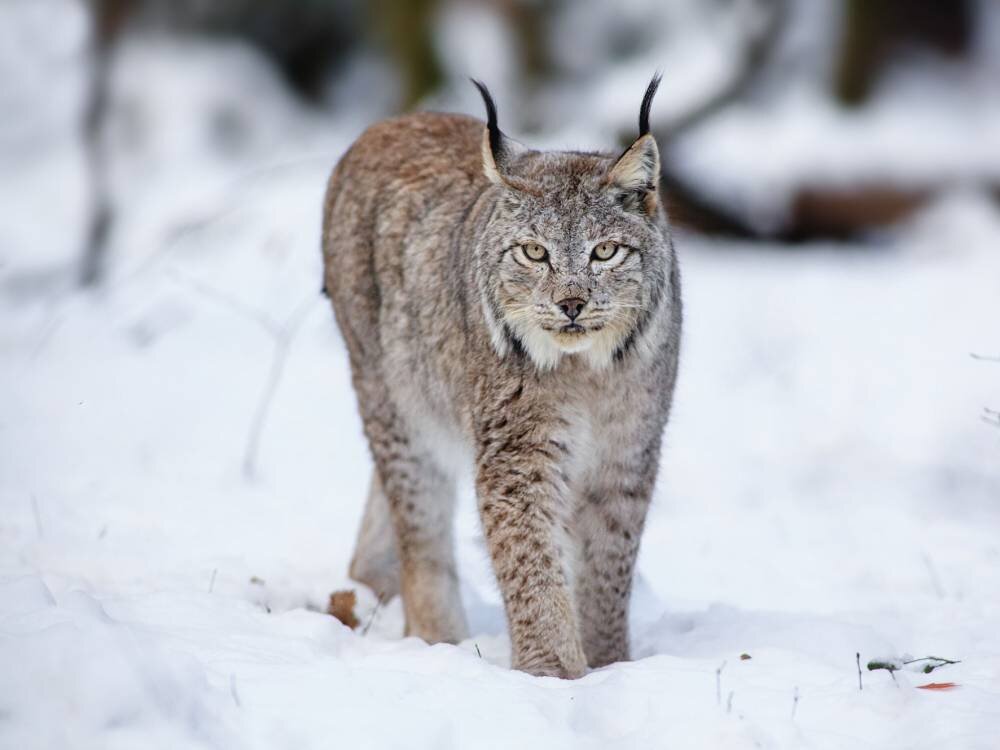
571,306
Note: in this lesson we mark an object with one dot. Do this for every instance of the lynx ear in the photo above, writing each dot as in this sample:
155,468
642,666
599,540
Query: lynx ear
636,174
498,150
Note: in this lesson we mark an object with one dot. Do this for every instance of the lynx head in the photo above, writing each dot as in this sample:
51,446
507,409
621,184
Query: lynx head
576,254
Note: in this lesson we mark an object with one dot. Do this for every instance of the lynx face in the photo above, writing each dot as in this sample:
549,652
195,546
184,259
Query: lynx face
576,263
575,256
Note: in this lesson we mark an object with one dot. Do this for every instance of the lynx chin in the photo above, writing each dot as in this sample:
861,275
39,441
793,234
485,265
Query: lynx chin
517,312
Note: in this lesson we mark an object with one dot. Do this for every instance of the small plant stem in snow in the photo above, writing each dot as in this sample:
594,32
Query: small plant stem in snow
278,358
891,665
857,657
729,702
935,579
934,658
282,334
718,684
368,625
282,343
990,416
232,689
928,668
38,516
211,583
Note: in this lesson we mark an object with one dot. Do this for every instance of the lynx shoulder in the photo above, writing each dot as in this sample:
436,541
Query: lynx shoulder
517,313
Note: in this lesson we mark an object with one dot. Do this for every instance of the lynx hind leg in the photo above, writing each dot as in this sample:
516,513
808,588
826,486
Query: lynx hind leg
420,499
376,562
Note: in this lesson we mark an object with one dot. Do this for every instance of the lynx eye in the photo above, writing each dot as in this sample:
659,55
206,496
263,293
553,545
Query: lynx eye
534,251
604,251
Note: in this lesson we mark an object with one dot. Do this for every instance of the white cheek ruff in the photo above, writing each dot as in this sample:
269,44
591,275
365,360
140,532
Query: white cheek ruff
596,348
602,351
541,347
497,338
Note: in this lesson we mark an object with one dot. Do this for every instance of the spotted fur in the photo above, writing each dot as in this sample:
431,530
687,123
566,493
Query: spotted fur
463,354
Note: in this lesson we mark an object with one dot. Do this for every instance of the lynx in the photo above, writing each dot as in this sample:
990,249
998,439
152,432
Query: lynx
516,312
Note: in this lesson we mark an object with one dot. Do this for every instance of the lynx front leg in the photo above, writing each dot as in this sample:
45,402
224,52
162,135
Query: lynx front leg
609,522
522,502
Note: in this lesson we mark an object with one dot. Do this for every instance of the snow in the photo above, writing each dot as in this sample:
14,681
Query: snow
755,158
827,488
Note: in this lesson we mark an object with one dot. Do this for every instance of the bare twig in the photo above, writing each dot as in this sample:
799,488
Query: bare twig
928,668
282,334
99,227
378,604
38,516
718,683
989,416
857,658
894,665
232,689
935,579
234,305
478,652
230,204
689,205
110,18
211,583
282,344
755,56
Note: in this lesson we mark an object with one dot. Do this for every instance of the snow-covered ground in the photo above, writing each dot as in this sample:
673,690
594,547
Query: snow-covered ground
828,485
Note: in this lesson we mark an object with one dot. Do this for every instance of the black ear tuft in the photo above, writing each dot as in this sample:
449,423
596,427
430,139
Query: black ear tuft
491,118
647,102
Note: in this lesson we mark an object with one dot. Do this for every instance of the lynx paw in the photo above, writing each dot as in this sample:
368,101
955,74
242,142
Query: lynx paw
566,664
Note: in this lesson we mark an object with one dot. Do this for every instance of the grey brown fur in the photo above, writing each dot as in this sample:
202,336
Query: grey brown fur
464,353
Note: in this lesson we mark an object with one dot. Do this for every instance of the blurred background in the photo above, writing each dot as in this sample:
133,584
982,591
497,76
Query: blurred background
780,119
